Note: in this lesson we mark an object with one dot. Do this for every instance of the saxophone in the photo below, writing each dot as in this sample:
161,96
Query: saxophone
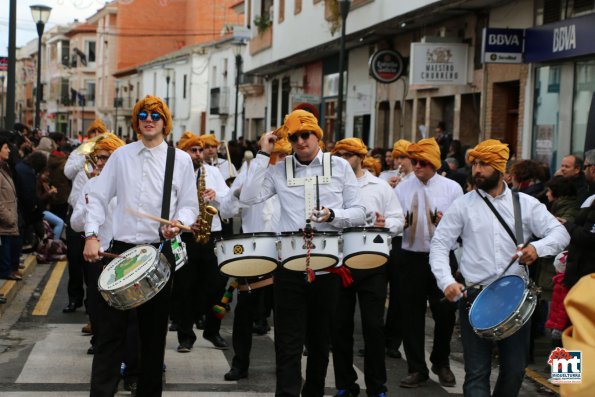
206,212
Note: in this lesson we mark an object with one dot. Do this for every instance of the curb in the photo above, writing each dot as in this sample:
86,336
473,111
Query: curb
10,287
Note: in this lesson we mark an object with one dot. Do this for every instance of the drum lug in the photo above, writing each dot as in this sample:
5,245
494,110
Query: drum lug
253,245
324,243
292,243
223,248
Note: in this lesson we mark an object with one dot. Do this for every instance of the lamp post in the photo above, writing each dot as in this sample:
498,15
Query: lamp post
2,101
40,14
344,8
82,101
237,50
168,74
116,103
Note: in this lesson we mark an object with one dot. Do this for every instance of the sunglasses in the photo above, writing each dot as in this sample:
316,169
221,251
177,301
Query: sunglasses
294,137
422,163
587,166
142,116
102,158
196,150
345,154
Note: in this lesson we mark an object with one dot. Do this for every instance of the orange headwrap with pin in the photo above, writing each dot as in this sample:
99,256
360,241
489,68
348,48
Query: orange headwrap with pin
188,140
282,146
152,104
108,142
209,140
400,148
301,120
353,145
97,126
492,152
426,149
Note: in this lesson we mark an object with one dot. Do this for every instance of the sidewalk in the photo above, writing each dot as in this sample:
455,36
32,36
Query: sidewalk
9,288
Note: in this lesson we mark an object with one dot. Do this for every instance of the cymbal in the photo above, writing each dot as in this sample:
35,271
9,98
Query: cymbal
88,147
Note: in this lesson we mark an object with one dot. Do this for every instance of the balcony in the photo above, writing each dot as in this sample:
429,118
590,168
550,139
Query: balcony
262,41
251,85
219,101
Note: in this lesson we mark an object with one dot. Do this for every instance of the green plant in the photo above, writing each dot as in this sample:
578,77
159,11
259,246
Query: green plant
333,15
262,22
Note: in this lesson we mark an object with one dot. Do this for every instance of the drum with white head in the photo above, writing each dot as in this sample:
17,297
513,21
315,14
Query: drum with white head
247,255
366,247
324,251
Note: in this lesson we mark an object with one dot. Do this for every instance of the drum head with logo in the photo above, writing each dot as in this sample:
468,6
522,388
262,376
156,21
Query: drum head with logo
124,271
497,302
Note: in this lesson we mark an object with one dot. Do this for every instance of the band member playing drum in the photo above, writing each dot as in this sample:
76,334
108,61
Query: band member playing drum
369,285
487,249
199,281
424,199
261,217
135,174
304,305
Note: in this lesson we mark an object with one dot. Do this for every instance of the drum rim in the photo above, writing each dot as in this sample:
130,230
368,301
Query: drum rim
283,262
345,258
366,228
516,309
316,233
248,235
126,286
264,258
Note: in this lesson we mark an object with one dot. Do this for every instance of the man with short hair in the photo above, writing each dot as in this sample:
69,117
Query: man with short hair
487,249
571,166
211,145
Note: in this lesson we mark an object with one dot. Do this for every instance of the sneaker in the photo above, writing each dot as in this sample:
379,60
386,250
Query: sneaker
184,349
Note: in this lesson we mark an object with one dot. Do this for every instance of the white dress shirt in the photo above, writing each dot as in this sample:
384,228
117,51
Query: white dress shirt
224,167
437,194
80,180
342,195
135,174
79,213
214,180
380,197
487,247
74,164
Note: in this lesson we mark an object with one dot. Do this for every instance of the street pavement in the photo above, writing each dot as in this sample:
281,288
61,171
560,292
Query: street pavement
44,354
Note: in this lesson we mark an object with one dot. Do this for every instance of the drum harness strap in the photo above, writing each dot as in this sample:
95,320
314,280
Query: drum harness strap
167,182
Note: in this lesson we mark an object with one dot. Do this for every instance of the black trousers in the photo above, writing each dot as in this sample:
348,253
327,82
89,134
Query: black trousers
111,330
416,286
303,315
74,254
369,287
394,320
249,306
199,284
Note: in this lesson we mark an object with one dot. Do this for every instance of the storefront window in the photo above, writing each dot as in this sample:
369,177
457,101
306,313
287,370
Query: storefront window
584,87
546,114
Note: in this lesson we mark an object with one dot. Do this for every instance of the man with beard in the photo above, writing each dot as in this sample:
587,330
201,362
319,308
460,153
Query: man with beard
487,249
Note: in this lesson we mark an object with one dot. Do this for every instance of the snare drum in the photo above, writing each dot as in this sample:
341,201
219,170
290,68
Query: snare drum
503,307
134,278
247,255
324,252
366,247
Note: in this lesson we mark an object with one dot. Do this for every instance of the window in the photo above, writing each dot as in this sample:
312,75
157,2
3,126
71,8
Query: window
582,6
546,115
65,52
285,90
64,91
90,51
297,7
274,103
552,10
184,86
281,10
584,86
214,79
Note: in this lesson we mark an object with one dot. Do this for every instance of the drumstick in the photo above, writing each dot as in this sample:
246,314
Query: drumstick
157,219
317,195
109,255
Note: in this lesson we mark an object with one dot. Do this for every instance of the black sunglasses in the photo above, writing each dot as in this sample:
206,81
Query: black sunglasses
142,116
422,163
101,157
294,137
196,150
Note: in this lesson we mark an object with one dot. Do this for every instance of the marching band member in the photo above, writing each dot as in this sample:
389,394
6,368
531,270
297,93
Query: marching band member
211,144
200,280
424,198
303,310
261,217
369,285
135,175
487,248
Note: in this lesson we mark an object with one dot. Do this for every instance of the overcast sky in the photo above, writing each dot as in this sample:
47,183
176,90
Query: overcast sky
63,11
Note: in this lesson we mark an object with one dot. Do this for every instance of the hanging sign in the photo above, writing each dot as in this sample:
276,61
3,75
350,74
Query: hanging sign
439,63
386,66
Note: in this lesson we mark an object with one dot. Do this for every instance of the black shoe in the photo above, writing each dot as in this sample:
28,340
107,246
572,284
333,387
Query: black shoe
173,327
261,327
393,352
217,341
71,307
445,376
235,374
200,323
347,393
184,348
361,352
91,350
413,380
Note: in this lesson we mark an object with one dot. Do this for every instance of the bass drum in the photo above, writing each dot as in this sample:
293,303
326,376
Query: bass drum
247,255
324,252
134,278
366,247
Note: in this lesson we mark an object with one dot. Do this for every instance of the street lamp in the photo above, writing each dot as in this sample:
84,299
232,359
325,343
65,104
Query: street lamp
237,50
40,14
116,104
344,8
82,100
168,74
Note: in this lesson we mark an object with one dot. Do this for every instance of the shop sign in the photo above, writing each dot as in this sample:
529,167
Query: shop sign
386,66
502,45
560,40
439,63
3,63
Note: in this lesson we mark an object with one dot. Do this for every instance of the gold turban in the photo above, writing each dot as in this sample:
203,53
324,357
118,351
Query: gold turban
97,126
301,120
152,104
372,163
188,140
400,148
209,140
108,142
282,146
426,149
580,335
492,152
353,145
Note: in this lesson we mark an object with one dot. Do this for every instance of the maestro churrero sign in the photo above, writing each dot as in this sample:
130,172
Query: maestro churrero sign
386,66
439,63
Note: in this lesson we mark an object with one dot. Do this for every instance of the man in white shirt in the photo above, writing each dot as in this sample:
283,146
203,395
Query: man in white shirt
487,250
369,285
211,145
200,280
304,310
402,164
424,199
135,175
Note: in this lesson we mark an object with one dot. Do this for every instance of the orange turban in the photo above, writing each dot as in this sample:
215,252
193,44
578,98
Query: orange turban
188,140
209,140
400,148
152,104
492,152
372,164
353,145
580,335
302,120
97,126
426,149
108,142
282,146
